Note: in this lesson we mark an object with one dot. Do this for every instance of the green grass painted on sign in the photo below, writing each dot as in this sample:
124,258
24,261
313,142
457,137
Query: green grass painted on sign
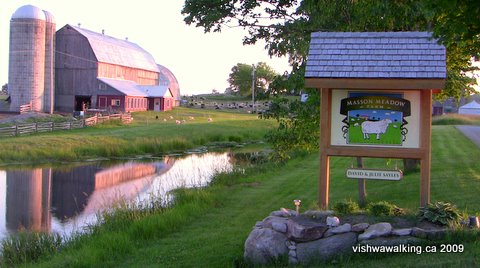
392,135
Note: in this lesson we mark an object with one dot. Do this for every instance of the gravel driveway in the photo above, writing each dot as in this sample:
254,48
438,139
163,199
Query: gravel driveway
472,132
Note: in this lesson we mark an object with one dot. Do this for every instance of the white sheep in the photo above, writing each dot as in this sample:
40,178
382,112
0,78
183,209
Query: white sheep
210,119
375,127
191,117
355,125
171,117
178,122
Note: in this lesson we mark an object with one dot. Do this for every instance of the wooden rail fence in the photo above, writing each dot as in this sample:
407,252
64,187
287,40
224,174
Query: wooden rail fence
29,128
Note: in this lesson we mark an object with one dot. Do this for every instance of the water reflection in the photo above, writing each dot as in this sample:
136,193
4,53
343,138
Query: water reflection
67,200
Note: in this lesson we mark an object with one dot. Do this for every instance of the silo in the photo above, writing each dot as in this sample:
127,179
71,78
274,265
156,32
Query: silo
50,29
26,72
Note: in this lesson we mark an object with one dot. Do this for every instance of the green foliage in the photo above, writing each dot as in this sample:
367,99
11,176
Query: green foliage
285,26
440,212
384,208
346,207
240,79
28,247
298,128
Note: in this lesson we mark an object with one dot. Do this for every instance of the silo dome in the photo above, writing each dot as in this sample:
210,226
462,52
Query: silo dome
49,17
29,12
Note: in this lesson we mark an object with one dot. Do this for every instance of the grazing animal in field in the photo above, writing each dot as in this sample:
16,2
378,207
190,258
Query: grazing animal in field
210,119
171,117
375,127
164,119
355,125
178,122
191,117
183,121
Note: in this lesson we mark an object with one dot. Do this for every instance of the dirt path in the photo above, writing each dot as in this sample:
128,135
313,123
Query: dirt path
472,132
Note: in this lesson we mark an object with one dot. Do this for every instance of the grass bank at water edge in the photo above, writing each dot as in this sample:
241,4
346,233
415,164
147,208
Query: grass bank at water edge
150,133
208,227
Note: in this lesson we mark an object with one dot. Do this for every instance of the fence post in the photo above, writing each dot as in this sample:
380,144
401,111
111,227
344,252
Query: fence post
16,130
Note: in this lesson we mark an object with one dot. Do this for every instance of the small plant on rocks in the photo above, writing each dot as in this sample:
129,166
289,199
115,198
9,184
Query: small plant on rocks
346,207
384,208
440,212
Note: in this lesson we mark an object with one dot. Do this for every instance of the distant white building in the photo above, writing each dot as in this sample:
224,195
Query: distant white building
470,108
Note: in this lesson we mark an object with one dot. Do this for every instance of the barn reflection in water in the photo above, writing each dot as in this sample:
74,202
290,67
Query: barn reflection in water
68,199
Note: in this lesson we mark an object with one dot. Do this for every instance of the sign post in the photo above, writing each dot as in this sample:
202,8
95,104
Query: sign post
376,96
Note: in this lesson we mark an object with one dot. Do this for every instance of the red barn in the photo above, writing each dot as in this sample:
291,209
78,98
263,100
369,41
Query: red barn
94,70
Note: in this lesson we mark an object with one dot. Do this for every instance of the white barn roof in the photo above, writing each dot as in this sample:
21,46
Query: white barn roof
119,52
130,88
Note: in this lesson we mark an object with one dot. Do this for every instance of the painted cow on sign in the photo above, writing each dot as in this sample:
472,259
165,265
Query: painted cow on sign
375,127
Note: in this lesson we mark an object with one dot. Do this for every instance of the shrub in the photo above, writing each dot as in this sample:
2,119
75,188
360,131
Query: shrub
384,208
346,207
440,212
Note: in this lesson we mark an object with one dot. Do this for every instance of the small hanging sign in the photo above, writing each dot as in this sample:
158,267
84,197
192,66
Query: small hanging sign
374,174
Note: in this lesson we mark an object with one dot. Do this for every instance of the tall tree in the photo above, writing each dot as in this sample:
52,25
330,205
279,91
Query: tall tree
285,25
240,79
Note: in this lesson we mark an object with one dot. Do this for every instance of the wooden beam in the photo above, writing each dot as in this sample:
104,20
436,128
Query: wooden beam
324,177
360,151
375,83
425,144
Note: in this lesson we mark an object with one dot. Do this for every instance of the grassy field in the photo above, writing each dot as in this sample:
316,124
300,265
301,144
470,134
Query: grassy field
456,119
208,227
146,135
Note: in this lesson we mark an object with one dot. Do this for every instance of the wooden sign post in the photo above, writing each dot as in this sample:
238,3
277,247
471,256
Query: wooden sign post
376,97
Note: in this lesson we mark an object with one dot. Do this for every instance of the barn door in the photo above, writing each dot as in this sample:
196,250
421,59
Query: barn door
102,102
156,106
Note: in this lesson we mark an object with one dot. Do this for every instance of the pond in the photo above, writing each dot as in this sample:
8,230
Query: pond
65,200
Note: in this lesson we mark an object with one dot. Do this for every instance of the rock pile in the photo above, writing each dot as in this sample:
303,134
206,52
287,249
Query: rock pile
318,235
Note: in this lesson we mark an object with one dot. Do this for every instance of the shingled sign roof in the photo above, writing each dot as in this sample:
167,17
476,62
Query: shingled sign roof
374,55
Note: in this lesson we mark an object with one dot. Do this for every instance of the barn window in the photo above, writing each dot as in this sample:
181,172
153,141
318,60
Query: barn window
102,86
115,102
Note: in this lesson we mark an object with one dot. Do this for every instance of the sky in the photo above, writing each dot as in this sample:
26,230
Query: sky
200,61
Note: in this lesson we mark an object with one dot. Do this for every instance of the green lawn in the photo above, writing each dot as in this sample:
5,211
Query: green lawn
146,135
208,227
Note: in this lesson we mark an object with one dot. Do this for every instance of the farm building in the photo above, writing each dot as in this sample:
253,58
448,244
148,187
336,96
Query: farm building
94,70
470,108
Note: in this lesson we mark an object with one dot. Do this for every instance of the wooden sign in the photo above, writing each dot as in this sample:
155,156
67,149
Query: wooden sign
374,174
376,98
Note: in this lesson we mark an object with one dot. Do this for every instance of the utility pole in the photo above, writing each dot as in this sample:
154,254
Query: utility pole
253,88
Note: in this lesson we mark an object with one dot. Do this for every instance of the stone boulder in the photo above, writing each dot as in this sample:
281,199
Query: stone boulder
333,221
276,223
402,232
320,215
360,227
284,212
376,230
431,234
303,229
326,248
392,241
263,245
